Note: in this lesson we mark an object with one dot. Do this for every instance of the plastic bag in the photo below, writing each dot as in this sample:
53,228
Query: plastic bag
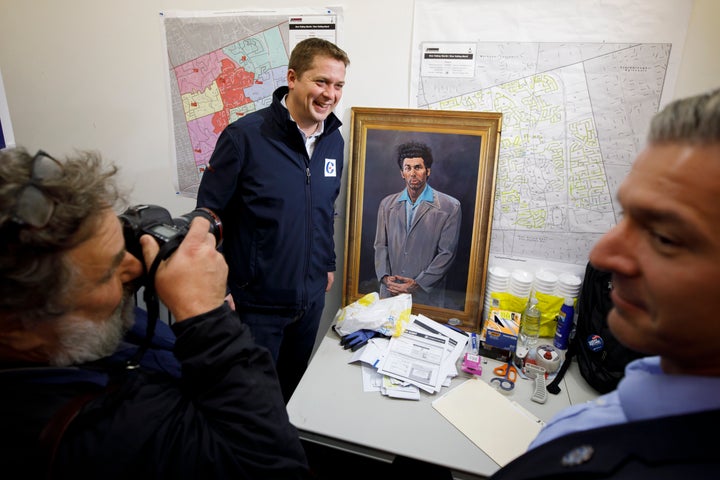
549,306
388,316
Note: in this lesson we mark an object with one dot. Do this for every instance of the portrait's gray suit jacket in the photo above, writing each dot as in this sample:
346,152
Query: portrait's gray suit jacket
425,252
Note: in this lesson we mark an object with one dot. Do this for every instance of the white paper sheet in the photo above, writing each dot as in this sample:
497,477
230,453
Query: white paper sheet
502,428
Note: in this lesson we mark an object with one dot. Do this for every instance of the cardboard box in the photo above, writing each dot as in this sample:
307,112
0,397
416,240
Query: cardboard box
501,329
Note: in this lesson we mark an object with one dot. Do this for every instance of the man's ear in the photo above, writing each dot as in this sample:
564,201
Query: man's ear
291,78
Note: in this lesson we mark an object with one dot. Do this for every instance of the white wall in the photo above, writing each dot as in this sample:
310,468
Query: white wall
89,74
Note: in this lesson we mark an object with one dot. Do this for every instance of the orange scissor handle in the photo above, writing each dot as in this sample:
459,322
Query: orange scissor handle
506,371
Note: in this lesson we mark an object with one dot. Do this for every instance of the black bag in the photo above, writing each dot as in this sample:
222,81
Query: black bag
600,357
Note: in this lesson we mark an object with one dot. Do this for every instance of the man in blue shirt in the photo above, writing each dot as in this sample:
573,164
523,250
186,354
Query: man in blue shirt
664,256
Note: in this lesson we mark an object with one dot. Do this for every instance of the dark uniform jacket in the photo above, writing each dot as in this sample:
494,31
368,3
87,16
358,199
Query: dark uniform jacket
668,448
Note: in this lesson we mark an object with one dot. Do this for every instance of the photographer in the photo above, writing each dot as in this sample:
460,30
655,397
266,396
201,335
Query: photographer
70,407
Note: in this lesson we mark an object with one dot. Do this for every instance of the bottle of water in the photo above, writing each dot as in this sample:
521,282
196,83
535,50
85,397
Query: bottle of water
530,324
564,324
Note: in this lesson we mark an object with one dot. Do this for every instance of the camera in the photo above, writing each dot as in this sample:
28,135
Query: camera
154,220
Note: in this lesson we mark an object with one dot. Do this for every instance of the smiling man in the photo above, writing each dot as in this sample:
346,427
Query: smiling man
664,256
273,180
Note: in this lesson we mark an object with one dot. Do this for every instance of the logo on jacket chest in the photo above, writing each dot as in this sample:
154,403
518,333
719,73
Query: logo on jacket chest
330,167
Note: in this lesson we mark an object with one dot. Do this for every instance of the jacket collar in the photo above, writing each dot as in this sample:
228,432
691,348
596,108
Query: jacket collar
282,118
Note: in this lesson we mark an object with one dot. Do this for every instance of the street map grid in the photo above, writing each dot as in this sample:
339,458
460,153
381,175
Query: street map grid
220,68
575,116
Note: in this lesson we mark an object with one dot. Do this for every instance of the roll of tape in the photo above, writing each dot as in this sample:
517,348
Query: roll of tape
521,354
548,357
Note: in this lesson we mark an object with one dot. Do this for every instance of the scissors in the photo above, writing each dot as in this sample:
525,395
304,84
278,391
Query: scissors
507,374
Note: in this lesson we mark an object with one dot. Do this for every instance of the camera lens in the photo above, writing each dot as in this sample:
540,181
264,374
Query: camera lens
156,221
215,223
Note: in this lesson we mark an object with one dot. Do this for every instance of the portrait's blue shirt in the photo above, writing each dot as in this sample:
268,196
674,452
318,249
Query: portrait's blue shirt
425,196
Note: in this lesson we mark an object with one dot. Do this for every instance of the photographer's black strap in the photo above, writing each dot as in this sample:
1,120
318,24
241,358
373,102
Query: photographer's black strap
151,299
554,386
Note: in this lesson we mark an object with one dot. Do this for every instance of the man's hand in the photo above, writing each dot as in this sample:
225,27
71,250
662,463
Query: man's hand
331,280
397,284
193,279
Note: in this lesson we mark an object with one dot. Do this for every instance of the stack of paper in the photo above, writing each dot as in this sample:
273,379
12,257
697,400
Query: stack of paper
423,357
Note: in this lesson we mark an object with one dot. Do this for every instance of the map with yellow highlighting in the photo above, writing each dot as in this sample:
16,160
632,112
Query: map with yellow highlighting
574,118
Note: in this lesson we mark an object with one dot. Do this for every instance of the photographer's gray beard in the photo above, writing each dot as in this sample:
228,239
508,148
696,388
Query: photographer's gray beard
83,341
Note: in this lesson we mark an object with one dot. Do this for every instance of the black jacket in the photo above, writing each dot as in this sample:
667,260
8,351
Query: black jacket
679,447
223,418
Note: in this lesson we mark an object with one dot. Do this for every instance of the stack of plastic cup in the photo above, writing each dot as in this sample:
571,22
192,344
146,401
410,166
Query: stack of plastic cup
545,282
521,283
498,280
568,285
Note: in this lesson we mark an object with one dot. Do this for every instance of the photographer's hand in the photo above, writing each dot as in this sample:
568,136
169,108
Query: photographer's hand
193,279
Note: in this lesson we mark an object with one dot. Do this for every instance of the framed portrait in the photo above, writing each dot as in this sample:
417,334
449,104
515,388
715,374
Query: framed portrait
464,147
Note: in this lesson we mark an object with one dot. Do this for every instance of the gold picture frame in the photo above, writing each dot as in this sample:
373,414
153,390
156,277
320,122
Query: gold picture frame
465,146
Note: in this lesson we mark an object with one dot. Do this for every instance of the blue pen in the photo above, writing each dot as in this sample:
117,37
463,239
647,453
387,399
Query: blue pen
474,343
453,327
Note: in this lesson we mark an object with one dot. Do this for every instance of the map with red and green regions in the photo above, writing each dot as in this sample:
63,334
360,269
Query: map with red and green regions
223,85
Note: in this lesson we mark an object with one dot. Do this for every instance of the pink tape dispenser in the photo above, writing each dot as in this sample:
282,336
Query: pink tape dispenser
471,361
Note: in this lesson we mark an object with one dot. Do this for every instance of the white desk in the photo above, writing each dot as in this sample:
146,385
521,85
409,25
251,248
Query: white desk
329,407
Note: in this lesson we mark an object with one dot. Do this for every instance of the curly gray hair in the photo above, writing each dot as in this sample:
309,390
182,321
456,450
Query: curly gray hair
32,259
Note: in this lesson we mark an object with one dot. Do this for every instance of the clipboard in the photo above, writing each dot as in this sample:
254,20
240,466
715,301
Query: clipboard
500,427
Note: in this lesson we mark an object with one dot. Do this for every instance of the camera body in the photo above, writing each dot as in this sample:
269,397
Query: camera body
156,221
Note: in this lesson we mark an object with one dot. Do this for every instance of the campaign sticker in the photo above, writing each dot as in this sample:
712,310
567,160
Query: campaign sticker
595,343
330,167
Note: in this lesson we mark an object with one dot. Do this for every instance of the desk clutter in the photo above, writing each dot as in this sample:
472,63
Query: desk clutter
402,354
421,357
511,290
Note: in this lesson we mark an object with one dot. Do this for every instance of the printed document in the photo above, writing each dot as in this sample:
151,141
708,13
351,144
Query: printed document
416,358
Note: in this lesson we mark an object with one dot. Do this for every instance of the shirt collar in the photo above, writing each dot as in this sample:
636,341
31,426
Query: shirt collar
317,132
647,392
425,196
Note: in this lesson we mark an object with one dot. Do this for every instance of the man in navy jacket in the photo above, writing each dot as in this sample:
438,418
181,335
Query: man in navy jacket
273,180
